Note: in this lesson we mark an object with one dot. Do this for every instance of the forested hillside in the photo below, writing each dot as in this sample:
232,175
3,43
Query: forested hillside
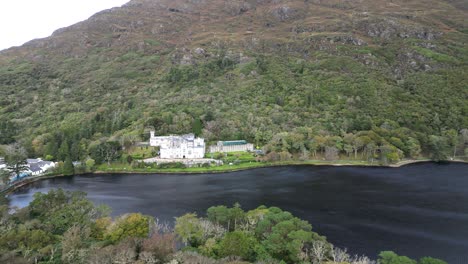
304,79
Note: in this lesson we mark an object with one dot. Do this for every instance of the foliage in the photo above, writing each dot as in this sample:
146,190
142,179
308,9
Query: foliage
60,210
390,257
159,246
238,243
105,151
131,225
65,227
68,168
429,260
188,229
4,176
15,158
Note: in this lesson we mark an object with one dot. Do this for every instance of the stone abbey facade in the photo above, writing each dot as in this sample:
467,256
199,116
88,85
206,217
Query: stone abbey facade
179,147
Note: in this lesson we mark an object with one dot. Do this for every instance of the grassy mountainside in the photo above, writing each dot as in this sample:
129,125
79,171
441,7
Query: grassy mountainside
297,76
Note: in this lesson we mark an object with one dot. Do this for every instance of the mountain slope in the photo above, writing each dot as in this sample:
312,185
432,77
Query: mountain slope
244,69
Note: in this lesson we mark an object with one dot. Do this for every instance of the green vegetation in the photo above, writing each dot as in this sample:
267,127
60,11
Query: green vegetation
65,227
378,85
15,159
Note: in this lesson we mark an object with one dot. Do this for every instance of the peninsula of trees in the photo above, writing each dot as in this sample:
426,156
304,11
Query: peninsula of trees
65,227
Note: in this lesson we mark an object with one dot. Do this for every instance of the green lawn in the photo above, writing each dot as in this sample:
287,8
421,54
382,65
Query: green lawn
119,167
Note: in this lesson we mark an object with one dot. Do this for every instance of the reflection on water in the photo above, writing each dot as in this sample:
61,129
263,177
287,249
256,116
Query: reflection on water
416,210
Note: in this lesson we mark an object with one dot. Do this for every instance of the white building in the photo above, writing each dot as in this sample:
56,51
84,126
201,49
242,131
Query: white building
39,166
179,147
2,164
231,146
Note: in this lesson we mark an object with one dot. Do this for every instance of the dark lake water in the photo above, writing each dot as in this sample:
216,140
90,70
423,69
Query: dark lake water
417,210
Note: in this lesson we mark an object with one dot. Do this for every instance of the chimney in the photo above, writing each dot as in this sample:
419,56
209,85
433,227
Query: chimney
152,134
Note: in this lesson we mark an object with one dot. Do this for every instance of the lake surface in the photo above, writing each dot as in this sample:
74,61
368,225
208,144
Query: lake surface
417,210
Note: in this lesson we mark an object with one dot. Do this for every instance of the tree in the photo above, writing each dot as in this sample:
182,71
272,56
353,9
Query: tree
239,244
68,168
188,229
439,147
429,260
236,214
389,257
339,255
197,127
64,151
105,151
218,215
74,244
158,247
5,176
90,164
284,236
15,158
59,210
452,137
76,151
51,149
413,147
358,143
331,153
8,130
464,135
348,149
130,225
318,251
313,146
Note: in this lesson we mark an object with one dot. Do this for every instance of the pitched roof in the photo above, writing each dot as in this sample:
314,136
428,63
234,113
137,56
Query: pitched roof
234,143
34,167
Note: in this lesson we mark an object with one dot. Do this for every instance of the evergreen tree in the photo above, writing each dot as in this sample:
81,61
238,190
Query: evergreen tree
197,126
51,149
64,151
68,168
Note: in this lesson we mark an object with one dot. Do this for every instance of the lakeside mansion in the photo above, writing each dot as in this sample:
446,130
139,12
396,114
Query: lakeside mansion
190,147
179,147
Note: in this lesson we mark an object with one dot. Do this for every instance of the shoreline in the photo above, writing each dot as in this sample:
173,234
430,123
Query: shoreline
183,171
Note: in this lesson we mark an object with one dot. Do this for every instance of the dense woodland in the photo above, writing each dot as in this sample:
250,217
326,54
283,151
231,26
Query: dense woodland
304,113
367,80
65,227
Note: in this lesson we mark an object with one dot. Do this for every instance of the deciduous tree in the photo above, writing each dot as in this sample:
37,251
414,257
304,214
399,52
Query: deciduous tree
15,158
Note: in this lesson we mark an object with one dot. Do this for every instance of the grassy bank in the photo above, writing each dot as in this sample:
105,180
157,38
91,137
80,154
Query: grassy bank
126,168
